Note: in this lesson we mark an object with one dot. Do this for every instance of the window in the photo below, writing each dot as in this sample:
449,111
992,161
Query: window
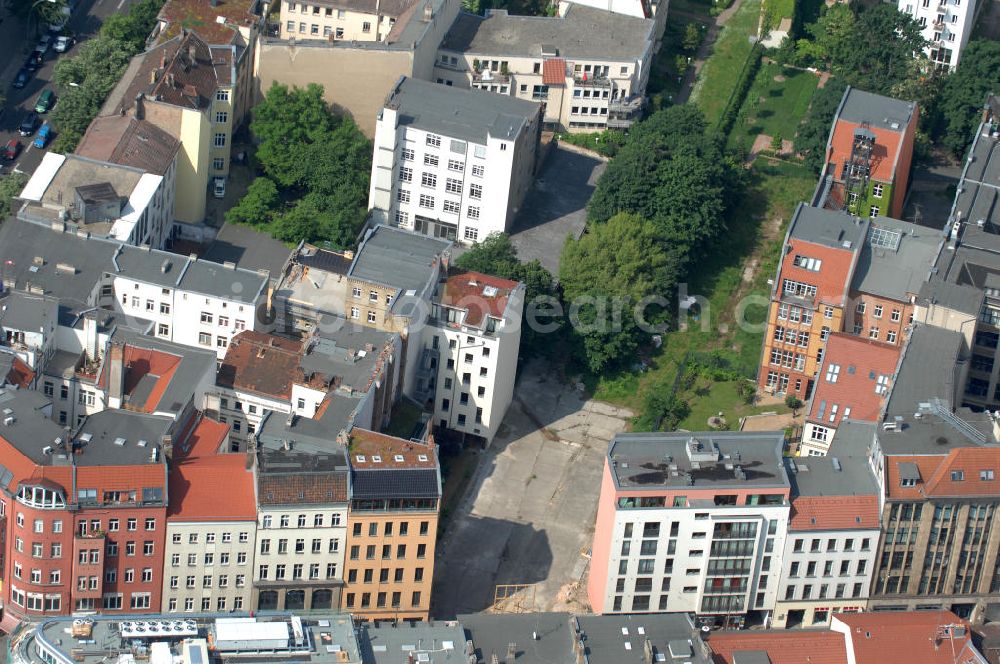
163,330
222,95
218,163
366,27
472,212
890,336
957,475
428,180
433,140
476,191
832,373
405,174
426,201
812,264
221,117
430,160
371,316
877,311
457,166
355,313
452,207
873,332
478,170
204,338
877,190
986,475
220,140
407,154
797,288
874,211
453,186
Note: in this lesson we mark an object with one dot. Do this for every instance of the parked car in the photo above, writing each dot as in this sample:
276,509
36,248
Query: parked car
219,189
29,124
43,136
11,149
33,62
45,102
63,43
22,78
44,43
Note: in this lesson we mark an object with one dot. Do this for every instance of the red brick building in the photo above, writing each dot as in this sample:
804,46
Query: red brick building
83,514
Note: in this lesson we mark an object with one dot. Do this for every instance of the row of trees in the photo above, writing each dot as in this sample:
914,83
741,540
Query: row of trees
656,209
85,80
315,167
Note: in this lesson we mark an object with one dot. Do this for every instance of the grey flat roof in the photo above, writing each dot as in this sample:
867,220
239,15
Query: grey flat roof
385,643
305,436
644,461
107,426
901,273
966,299
670,634
328,354
928,371
468,115
882,112
248,248
27,312
31,429
199,276
828,228
490,634
397,258
583,33
820,476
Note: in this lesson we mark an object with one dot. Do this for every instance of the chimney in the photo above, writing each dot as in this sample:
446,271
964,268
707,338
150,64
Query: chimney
163,58
140,110
116,375
167,446
152,76
170,79
192,53
428,11
90,335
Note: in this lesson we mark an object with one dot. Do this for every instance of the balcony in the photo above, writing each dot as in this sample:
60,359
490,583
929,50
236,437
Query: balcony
589,81
623,112
487,77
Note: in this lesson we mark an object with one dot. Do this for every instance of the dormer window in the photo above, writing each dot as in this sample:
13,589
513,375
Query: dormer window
41,497
907,482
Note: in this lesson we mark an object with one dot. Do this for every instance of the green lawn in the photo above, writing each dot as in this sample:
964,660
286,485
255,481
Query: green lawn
405,417
776,104
721,72
721,397
780,9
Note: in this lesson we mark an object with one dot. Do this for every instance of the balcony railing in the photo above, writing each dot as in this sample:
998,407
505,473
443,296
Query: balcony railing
592,81
491,77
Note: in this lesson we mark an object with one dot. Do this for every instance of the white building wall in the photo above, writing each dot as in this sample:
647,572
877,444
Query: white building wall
208,566
329,537
842,564
679,567
947,25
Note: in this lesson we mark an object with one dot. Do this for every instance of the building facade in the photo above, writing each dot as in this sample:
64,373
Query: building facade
682,526
946,25
336,20
453,164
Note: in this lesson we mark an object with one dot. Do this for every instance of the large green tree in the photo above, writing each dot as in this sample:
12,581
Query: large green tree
964,93
670,173
815,128
134,27
10,186
604,275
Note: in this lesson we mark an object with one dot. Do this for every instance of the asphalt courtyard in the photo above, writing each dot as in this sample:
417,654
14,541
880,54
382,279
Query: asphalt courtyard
528,518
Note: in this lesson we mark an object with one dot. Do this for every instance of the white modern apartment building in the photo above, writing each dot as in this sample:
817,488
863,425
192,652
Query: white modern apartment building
833,535
946,24
211,526
471,343
449,163
587,67
692,522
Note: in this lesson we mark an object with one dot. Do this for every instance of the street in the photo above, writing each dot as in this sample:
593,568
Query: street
17,40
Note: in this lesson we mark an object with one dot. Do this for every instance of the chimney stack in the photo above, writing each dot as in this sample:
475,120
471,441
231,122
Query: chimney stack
116,375
140,109
90,335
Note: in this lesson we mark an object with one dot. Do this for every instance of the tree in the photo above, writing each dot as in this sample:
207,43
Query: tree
285,124
496,255
793,402
258,206
692,37
11,185
42,12
134,27
613,267
815,128
964,93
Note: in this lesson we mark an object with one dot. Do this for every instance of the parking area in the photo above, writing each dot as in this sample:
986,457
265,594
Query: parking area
528,518
556,206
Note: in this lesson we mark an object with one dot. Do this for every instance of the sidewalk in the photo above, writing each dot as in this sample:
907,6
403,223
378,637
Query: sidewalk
703,52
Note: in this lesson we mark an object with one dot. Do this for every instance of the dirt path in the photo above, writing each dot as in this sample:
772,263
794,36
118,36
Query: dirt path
701,56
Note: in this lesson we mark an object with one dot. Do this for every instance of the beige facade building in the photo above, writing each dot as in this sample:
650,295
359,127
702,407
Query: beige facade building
210,527
351,20
395,501
588,67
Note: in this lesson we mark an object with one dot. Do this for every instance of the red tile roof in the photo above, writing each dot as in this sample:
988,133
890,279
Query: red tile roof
834,513
936,474
554,72
121,139
887,144
261,363
141,363
20,374
304,489
212,488
206,439
467,291
904,638
392,452
782,647
861,362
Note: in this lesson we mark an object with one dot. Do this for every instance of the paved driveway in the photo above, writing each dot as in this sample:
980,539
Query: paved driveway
556,206
529,515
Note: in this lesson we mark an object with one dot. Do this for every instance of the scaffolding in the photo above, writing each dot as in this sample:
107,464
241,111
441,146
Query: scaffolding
858,168
514,598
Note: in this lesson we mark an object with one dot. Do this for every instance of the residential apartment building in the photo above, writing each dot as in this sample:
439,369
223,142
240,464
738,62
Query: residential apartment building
185,87
369,21
302,496
452,164
395,503
28,324
652,9
852,386
691,522
868,155
84,512
588,67
833,535
211,526
470,347
946,25
105,199
809,297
